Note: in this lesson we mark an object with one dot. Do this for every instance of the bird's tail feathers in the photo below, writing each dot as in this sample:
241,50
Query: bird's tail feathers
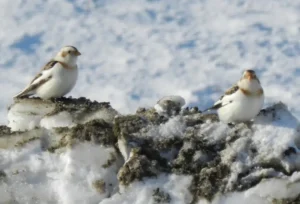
208,109
23,94
214,107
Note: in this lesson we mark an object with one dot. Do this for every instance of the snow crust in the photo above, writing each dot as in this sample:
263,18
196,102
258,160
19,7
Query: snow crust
35,113
36,175
139,193
163,105
27,116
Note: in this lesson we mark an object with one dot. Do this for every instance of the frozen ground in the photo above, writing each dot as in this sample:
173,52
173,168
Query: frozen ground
69,156
136,51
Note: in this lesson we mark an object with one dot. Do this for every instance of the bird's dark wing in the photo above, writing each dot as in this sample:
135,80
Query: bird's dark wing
221,102
32,85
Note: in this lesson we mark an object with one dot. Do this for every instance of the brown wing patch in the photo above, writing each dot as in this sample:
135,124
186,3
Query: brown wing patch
32,87
49,65
230,91
260,92
35,86
36,77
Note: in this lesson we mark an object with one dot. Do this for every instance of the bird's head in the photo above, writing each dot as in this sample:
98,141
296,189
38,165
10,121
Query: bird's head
68,54
250,81
249,75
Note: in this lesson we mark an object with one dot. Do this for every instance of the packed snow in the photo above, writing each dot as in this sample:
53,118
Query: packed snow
42,177
169,104
33,113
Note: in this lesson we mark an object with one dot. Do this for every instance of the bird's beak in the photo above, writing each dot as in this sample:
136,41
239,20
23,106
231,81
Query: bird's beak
77,53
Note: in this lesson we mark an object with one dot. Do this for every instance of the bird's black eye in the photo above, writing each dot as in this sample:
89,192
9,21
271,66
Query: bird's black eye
69,51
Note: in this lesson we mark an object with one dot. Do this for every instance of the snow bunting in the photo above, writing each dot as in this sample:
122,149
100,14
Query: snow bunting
169,105
57,77
243,101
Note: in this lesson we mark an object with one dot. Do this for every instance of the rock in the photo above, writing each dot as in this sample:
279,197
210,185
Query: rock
137,167
2,175
210,181
287,201
220,159
160,197
99,186
96,131
30,113
10,139
169,105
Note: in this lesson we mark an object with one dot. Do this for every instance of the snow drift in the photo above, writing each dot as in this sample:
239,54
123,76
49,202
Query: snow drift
78,151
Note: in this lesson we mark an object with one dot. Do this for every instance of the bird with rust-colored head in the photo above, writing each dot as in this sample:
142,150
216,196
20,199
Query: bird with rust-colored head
243,101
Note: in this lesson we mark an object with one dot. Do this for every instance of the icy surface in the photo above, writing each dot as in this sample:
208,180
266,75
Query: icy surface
27,115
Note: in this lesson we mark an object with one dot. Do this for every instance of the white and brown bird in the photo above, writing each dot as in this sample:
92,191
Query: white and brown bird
56,78
243,101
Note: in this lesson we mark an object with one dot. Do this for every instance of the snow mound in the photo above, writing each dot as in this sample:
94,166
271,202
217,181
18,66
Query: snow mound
84,152
169,105
30,113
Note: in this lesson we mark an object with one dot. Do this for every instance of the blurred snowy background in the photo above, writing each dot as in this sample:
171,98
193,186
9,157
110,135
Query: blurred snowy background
136,51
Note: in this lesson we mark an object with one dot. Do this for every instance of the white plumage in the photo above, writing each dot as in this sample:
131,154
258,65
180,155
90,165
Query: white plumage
61,83
243,101
57,78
